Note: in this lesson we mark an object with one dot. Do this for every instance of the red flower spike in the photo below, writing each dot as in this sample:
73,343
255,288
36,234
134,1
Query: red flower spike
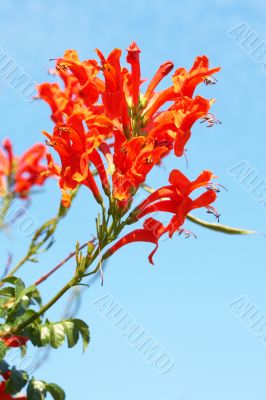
143,134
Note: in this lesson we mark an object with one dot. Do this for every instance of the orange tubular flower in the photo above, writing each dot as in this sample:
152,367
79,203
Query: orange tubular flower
85,72
151,233
184,84
59,100
20,174
29,171
175,199
75,148
113,96
172,199
133,160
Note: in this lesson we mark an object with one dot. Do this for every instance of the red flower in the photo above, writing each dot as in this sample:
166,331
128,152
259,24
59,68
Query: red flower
133,59
173,126
85,72
133,160
19,174
175,199
113,96
60,101
151,233
74,148
172,199
162,72
14,341
186,82
29,170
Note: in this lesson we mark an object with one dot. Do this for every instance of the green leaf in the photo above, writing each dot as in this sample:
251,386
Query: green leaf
3,350
7,292
16,381
26,315
10,279
83,329
29,292
19,288
36,390
71,333
45,335
55,334
56,392
4,367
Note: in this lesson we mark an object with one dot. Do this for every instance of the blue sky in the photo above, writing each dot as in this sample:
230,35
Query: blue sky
183,300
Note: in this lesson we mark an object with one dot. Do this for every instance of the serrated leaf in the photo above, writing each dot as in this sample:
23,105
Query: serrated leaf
45,335
57,335
56,392
54,334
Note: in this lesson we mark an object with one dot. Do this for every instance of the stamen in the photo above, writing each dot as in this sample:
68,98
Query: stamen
211,120
186,233
213,211
210,80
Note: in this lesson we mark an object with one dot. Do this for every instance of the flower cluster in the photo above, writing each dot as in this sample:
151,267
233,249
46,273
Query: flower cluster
19,174
105,125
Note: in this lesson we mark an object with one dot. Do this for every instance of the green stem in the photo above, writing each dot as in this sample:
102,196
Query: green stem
73,282
46,307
